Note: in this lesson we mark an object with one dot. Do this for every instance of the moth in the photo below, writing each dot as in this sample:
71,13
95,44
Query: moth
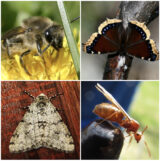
41,126
35,34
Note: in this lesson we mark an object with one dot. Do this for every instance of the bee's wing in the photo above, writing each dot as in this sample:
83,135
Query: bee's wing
37,23
13,32
111,99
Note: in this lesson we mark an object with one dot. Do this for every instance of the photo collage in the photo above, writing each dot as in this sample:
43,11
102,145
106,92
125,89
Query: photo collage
79,80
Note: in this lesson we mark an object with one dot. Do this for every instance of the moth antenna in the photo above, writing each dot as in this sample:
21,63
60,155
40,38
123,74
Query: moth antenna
55,96
29,94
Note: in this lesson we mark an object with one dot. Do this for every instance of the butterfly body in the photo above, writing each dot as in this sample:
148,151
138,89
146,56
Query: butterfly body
113,37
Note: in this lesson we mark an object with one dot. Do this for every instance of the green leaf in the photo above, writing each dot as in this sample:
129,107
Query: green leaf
70,38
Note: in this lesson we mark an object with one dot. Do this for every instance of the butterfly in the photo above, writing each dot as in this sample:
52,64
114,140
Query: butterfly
113,37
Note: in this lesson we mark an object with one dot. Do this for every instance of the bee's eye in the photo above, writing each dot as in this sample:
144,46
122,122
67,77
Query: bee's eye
48,35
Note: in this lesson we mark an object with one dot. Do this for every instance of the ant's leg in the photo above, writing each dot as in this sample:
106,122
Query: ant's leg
107,118
131,138
148,150
21,61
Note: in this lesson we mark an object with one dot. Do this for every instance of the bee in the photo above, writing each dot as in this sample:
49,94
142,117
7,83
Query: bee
34,34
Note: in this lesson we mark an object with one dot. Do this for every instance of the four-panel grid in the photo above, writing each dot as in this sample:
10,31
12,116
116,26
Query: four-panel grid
80,80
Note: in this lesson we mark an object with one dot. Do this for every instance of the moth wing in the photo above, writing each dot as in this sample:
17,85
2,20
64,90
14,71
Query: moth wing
59,137
41,127
23,137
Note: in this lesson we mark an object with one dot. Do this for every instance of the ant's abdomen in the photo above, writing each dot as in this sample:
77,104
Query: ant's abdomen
108,112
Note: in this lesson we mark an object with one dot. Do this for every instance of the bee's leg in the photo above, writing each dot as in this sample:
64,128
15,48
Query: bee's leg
7,47
39,43
39,48
21,61
8,51
46,47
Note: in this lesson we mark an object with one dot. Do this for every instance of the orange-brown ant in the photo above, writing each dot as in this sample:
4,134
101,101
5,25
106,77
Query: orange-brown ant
115,113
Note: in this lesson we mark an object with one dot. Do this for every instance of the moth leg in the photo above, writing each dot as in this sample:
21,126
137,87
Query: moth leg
29,94
21,61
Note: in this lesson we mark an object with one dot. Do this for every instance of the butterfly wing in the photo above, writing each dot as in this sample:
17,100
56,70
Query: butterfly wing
106,40
139,43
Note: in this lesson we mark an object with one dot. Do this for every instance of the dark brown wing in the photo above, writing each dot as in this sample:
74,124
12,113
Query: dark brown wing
139,43
106,40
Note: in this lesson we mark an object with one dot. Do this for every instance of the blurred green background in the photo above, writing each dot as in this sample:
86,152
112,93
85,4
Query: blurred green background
13,13
145,109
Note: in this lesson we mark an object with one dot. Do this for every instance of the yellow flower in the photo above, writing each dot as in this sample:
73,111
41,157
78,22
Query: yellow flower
53,65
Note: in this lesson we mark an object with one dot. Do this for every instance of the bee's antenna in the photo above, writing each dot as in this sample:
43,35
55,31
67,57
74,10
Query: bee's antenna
75,19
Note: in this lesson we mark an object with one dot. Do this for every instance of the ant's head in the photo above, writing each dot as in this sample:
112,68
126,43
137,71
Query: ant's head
138,135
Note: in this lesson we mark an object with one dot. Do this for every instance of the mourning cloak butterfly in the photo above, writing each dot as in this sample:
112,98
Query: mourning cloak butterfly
112,37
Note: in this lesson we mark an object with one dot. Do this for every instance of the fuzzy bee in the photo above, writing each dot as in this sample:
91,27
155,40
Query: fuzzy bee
34,34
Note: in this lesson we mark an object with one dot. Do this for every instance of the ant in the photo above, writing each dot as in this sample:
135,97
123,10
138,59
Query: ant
115,113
